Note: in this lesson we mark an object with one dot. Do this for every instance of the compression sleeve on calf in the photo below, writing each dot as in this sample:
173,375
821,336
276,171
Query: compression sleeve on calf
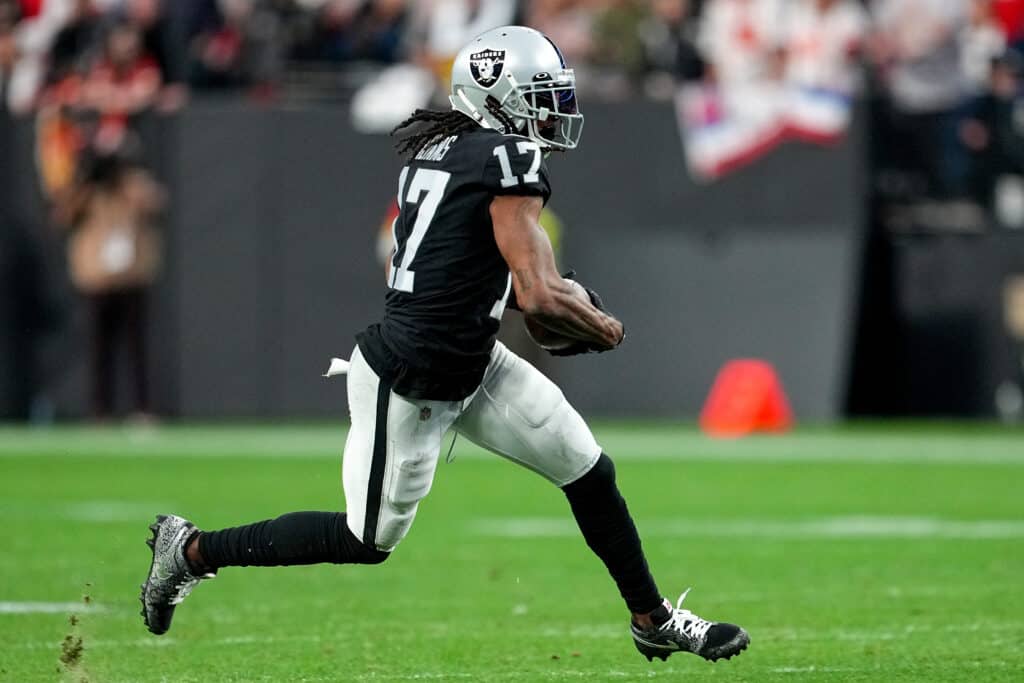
608,529
293,539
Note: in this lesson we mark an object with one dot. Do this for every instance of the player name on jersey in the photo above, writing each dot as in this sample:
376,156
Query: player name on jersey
436,151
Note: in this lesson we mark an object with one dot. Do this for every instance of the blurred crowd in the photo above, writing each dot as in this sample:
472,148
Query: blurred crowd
946,71
230,43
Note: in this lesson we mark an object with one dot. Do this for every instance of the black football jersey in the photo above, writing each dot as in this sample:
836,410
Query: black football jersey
449,284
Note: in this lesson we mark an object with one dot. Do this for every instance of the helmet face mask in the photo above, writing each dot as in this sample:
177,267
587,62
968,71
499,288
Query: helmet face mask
552,112
514,74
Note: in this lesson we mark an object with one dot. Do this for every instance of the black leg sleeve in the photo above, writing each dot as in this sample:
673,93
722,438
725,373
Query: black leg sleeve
608,529
291,539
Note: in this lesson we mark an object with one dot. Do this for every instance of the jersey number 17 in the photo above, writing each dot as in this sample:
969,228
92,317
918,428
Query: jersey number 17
426,189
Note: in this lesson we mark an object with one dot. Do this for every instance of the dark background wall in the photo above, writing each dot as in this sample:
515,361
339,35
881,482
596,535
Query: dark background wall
271,267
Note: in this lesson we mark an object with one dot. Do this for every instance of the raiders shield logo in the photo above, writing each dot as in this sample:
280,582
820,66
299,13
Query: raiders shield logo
486,66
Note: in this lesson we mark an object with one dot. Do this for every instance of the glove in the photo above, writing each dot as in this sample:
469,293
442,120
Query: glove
581,347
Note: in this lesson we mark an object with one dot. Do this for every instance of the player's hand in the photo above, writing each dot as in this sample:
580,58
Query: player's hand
615,334
616,331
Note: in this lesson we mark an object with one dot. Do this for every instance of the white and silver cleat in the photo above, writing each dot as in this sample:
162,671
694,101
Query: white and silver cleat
170,579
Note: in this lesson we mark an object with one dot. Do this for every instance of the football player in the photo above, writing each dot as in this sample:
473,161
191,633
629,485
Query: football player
467,244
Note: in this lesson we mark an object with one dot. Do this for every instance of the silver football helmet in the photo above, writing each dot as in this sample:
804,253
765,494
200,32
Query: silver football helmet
513,75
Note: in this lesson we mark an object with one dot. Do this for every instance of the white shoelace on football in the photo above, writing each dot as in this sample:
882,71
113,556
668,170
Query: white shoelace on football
687,622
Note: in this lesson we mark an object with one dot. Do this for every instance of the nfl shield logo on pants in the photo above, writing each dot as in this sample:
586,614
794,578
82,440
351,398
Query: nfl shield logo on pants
486,66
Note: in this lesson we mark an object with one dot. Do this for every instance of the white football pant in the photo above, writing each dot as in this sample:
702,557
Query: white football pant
395,442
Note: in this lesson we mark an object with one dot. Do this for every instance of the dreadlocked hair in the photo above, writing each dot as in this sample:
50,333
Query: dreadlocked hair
429,126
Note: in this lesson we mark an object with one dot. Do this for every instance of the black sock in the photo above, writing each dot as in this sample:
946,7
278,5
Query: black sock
608,529
291,539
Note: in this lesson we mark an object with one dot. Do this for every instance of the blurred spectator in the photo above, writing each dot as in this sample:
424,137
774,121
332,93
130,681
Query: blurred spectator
9,54
76,41
617,49
123,83
351,30
157,38
10,13
161,42
822,39
235,43
20,74
569,23
114,255
217,50
918,49
442,27
437,30
981,40
741,40
669,37
992,131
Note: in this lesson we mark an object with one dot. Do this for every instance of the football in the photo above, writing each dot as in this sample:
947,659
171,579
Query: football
550,339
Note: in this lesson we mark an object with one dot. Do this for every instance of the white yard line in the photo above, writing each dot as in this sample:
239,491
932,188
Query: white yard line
17,607
816,669
111,511
599,631
555,673
637,444
93,511
860,526
612,631
823,527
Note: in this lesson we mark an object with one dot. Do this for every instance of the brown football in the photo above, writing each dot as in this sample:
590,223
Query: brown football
550,339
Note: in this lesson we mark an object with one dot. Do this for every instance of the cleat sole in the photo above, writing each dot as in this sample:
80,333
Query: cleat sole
729,650
652,652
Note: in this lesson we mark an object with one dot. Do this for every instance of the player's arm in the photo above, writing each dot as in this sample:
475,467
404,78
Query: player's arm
540,290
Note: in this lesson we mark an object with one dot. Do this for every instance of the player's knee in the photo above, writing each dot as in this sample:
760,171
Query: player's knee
600,477
368,555
357,552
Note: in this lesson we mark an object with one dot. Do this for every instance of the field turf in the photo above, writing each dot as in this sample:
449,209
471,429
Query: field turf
864,553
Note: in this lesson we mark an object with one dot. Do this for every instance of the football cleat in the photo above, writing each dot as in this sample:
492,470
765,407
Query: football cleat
170,579
684,631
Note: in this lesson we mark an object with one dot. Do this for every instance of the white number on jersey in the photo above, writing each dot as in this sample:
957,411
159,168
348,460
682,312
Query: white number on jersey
524,147
433,183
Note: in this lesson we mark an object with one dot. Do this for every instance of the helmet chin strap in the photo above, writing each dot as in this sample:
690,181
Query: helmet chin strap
464,105
468,108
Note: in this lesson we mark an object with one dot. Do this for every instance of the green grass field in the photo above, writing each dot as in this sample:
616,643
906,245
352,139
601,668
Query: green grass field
857,554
